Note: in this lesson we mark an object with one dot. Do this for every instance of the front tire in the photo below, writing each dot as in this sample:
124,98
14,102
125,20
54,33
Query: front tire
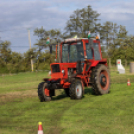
76,89
43,92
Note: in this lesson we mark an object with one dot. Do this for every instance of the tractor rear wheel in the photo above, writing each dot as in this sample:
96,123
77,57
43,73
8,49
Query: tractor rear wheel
101,80
67,91
76,89
92,80
43,92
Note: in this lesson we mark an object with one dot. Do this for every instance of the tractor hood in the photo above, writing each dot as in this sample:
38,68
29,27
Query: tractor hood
60,70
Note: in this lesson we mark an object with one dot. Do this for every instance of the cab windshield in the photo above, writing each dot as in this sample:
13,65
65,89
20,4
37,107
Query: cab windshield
72,52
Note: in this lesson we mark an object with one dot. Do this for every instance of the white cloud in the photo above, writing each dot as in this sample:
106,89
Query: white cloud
17,15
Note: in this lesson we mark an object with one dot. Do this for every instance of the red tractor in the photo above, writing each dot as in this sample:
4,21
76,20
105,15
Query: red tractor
80,65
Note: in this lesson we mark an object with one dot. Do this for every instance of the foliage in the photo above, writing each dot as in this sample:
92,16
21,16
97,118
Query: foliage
81,22
115,43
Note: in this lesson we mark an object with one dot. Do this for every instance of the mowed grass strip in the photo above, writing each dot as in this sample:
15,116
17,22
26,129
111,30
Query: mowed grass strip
21,81
110,114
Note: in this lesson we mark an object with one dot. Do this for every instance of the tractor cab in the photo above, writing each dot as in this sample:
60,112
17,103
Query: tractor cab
80,49
76,55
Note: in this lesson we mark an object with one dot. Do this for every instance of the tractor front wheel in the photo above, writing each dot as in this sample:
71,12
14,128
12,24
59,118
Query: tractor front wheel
76,89
43,92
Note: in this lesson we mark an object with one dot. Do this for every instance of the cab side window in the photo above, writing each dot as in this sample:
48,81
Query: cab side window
65,53
96,51
89,52
73,53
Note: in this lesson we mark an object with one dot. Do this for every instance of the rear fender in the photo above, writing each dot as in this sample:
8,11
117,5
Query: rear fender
94,64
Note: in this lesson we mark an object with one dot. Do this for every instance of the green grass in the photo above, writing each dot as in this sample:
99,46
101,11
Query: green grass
21,81
20,109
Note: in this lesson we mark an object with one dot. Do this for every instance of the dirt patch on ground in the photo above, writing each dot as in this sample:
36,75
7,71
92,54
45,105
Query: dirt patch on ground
19,94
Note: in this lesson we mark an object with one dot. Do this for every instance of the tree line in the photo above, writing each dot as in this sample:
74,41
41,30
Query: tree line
115,42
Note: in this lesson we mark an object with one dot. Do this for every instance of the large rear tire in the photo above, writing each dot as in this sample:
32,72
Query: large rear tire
76,89
92,81
100,80
43,92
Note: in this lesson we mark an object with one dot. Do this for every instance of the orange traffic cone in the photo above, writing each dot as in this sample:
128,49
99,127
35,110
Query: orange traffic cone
40,128
128,83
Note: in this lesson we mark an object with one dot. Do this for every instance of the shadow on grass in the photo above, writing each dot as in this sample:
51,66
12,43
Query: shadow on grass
87,91
59,97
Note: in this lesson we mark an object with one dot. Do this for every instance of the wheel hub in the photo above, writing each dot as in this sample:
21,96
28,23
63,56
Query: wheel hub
47,92
78,90
103,80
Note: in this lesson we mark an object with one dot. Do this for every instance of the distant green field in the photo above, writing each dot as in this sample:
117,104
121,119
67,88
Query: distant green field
20,109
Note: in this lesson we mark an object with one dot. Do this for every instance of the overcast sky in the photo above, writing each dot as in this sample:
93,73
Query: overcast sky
18,15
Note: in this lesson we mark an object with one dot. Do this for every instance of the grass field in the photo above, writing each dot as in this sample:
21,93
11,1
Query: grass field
20,109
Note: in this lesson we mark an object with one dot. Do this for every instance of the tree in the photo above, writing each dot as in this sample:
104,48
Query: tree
5,52
128,49
82,21
42,37
119,44
54,35
106,31
90,21
15,65
113,37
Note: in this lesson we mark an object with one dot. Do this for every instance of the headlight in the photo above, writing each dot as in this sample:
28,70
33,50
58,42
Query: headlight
63,71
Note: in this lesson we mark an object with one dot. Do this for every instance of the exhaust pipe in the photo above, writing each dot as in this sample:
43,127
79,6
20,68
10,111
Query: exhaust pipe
59,56
90,42
50,48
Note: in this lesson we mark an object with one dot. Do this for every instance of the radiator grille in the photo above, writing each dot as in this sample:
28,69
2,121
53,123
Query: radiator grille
55,68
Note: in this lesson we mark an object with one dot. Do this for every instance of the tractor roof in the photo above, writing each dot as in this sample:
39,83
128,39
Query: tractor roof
71,40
